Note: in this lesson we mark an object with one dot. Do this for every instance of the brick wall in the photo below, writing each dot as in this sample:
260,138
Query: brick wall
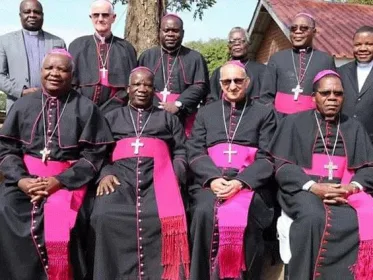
274,40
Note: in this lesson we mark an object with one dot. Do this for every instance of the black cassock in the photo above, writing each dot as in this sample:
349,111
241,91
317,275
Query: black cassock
280,75
120,58
187,76
296,139
256,130
254,70
82,136
126,224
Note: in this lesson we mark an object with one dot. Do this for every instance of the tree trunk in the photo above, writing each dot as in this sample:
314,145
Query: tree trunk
142,23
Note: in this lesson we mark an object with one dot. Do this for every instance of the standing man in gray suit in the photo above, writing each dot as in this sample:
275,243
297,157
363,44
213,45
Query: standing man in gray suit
357,79
22,52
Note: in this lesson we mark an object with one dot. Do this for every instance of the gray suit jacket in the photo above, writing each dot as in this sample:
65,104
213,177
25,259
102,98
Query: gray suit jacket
14,69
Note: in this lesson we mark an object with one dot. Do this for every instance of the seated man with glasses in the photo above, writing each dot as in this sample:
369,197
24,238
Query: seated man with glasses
288,78
227,153
238,46
324,166
103,62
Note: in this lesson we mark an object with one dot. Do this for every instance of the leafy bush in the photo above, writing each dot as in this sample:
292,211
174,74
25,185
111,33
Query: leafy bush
215,52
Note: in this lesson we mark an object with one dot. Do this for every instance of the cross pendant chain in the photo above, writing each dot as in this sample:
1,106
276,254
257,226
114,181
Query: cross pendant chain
330,168
297,90
44,154
103,71
230,152
136,145
165,93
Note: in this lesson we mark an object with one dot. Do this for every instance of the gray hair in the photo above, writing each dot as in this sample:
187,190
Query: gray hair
102,1
71,64
238,29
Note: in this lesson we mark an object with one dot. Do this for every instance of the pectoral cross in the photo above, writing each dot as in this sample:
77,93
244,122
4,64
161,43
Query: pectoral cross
229,152
296,91
103,71
330,168
165,93
44,154
136,145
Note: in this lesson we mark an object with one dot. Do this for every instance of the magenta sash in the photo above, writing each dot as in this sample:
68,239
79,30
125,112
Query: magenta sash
232,213
363,205
175,249
285,103
172,97
60,212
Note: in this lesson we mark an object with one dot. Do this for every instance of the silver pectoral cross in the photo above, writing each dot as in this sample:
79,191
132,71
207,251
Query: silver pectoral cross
136,145
164,94
103,71
230,152
296,91
44,154
330,168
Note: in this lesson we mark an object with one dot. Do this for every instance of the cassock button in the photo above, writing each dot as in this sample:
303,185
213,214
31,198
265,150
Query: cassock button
39,246
358,99
139,204
35,236
141,264
142,272
140,220
140,229
44,260
141,255
140,247
355,116
140,238
140,181
42,252
46,267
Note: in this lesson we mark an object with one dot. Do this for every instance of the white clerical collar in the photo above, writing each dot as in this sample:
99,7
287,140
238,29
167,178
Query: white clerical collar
365,65
31,33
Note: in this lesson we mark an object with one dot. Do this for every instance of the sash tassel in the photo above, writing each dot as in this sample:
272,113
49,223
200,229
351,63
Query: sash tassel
175,249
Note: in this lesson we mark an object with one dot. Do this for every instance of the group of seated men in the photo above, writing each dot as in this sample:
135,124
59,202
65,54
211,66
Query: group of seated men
125,191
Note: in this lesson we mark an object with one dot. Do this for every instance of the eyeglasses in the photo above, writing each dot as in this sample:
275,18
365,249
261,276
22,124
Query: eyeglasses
303,28
97,15
237,81
326,93
236,41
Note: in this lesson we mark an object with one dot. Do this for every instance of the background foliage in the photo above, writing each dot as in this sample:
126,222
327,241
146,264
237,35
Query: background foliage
215,51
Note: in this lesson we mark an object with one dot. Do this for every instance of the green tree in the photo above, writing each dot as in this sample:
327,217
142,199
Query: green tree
366,2
143,18
215,52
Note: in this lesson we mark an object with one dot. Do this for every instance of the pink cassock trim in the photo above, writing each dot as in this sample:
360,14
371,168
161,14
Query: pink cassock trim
285,103
232,213
60,212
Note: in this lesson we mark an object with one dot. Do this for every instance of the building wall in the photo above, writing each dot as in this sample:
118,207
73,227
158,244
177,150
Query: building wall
274,40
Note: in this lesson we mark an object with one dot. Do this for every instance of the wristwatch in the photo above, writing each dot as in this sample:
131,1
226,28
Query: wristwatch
178,104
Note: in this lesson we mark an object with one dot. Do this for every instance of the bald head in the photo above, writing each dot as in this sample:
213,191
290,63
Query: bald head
102,3
25,2
234,81
31,15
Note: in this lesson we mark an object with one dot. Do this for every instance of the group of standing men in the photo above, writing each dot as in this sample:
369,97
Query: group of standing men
96,119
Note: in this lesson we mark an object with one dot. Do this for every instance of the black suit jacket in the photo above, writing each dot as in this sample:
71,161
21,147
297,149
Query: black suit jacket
358,104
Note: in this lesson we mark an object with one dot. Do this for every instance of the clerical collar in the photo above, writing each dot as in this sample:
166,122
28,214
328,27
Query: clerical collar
31,33
237,105
140,109
61,97
298,50
104,40
175,51
364,65
322,118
